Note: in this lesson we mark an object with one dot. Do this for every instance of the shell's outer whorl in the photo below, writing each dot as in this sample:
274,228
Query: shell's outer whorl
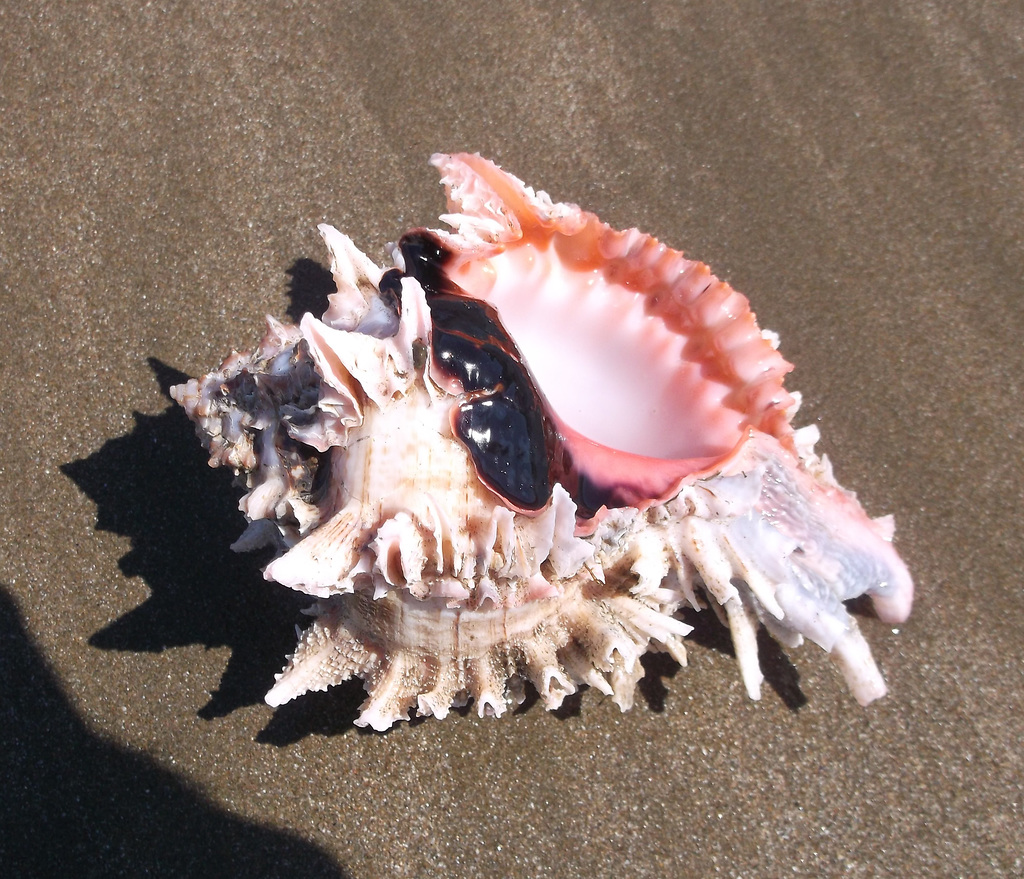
428,656
435,584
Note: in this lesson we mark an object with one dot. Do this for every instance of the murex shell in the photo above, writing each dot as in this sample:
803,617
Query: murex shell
517,455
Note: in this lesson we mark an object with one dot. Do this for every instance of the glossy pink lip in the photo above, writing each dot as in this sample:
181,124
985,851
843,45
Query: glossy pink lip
655,370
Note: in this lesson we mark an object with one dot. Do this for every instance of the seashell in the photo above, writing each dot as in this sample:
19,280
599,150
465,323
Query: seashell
516,455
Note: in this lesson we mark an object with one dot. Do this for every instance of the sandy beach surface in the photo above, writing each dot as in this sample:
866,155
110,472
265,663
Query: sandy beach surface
857,170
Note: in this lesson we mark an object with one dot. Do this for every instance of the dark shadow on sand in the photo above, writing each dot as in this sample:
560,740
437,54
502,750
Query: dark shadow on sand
153,485
74,804
327,713
779,672
309,286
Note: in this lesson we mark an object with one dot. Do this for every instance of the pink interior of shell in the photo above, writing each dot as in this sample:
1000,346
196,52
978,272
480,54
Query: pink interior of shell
612,370
655,369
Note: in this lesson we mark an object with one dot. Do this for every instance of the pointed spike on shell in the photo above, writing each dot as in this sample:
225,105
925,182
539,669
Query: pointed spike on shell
624,683
328,653
387,702
743,625
853,656
579,665
357,279
440,699
302,567
485,678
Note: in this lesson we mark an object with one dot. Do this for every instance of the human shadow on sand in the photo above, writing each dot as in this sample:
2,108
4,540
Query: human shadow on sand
75,804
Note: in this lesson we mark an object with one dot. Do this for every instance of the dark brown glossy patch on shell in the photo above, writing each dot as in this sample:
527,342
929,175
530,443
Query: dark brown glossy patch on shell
503,419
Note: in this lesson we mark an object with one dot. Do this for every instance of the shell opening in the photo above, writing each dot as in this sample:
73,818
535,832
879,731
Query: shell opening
613,370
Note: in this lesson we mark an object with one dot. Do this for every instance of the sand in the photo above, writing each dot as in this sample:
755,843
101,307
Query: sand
856,170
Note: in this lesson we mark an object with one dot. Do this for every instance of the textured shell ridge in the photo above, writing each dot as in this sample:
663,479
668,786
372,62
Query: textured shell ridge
515,458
